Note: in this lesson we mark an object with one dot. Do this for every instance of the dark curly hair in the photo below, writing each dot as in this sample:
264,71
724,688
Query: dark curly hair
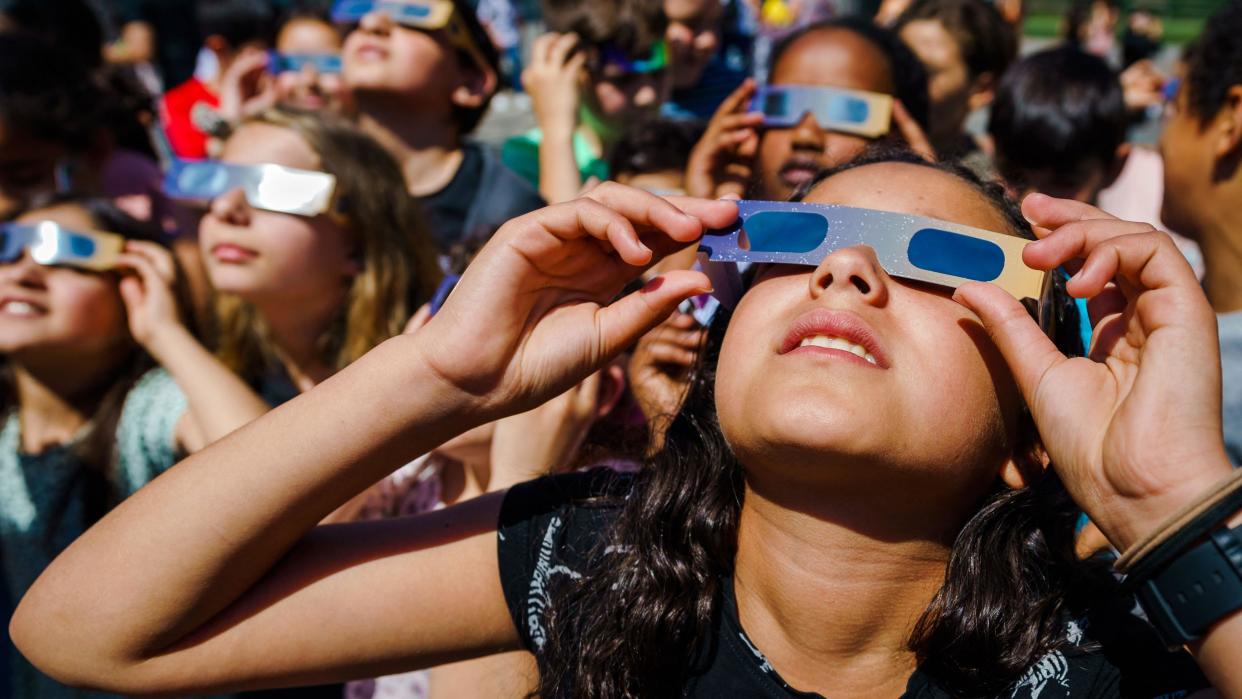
1214,62
634,625
907,72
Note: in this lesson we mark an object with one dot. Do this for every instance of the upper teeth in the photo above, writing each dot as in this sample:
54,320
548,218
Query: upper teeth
19,307
839,344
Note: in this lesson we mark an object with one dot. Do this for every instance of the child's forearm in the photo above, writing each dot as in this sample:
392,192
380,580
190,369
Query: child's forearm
218,400
194,540
558,169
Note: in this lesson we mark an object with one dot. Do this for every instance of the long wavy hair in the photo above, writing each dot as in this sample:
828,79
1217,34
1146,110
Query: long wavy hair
634,624
398,270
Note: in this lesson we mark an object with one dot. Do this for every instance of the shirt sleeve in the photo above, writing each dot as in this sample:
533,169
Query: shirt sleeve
549,529
521,155
145,435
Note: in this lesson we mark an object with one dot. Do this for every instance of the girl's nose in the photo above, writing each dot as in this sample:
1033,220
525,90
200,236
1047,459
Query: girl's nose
231,207
853,271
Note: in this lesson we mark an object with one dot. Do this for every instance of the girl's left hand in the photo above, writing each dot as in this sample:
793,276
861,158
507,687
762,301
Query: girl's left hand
148,294
1134,430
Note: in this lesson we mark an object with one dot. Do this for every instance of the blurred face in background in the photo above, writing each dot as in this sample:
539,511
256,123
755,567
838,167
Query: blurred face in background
952,92
308,88
60,311
830,57
384,60
265,256
693,37
1189,167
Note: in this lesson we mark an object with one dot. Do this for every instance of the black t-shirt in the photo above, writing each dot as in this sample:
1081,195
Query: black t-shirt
481,197
554,527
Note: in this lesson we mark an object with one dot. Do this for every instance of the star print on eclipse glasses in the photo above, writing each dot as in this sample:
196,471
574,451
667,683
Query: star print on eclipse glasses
916,248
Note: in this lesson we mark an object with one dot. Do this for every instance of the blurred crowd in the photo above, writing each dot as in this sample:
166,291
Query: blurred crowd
209,208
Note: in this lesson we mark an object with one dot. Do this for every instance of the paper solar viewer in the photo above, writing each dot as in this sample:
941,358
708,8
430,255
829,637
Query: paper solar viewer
326,63
911,247
50,244
428,15
270,187
867,114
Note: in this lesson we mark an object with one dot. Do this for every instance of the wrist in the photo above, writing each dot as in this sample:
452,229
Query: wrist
1128,520
165,342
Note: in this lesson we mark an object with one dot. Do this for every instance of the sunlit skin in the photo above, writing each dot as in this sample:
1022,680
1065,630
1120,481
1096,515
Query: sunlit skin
829,57
308,88
867,471
266,256
383,59
850,410
58,312
1188,158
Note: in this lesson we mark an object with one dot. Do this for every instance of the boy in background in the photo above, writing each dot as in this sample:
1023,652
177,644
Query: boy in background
420,91
602,66
1202,148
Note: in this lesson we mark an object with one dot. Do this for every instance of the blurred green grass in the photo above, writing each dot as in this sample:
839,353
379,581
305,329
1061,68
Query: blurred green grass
1177,30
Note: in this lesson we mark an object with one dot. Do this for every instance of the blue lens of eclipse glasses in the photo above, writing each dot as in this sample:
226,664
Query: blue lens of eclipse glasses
347,11
325,63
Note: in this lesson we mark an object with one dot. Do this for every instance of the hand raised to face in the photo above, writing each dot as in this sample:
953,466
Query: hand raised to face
535,312
1134,430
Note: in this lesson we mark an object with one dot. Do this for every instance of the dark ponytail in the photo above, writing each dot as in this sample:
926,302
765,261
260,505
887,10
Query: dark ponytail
634,624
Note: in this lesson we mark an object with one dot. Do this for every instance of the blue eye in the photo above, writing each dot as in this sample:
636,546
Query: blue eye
783,231
956,254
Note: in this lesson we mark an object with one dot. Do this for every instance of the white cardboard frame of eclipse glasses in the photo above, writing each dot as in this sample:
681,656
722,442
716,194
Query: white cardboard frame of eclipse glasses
270,187
917,248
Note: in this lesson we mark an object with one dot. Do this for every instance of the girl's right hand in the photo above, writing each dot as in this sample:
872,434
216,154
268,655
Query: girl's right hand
721,162
535,313
148,294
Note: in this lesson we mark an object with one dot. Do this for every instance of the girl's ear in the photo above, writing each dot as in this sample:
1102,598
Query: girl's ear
1025,467
477,86
611,387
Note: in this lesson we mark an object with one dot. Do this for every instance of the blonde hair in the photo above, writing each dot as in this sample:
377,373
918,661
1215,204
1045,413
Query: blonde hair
398,271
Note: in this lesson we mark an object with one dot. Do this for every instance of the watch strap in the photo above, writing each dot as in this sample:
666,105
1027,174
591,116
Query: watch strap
1196,589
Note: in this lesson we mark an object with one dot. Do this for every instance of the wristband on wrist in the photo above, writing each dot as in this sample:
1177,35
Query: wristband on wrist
1185,587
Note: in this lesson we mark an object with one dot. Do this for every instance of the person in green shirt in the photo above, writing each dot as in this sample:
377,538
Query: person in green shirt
602,67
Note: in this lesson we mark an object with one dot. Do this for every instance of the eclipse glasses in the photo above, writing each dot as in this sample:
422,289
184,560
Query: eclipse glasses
857,112
428,15
323,63
270,187
51,244
612,57
916,248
